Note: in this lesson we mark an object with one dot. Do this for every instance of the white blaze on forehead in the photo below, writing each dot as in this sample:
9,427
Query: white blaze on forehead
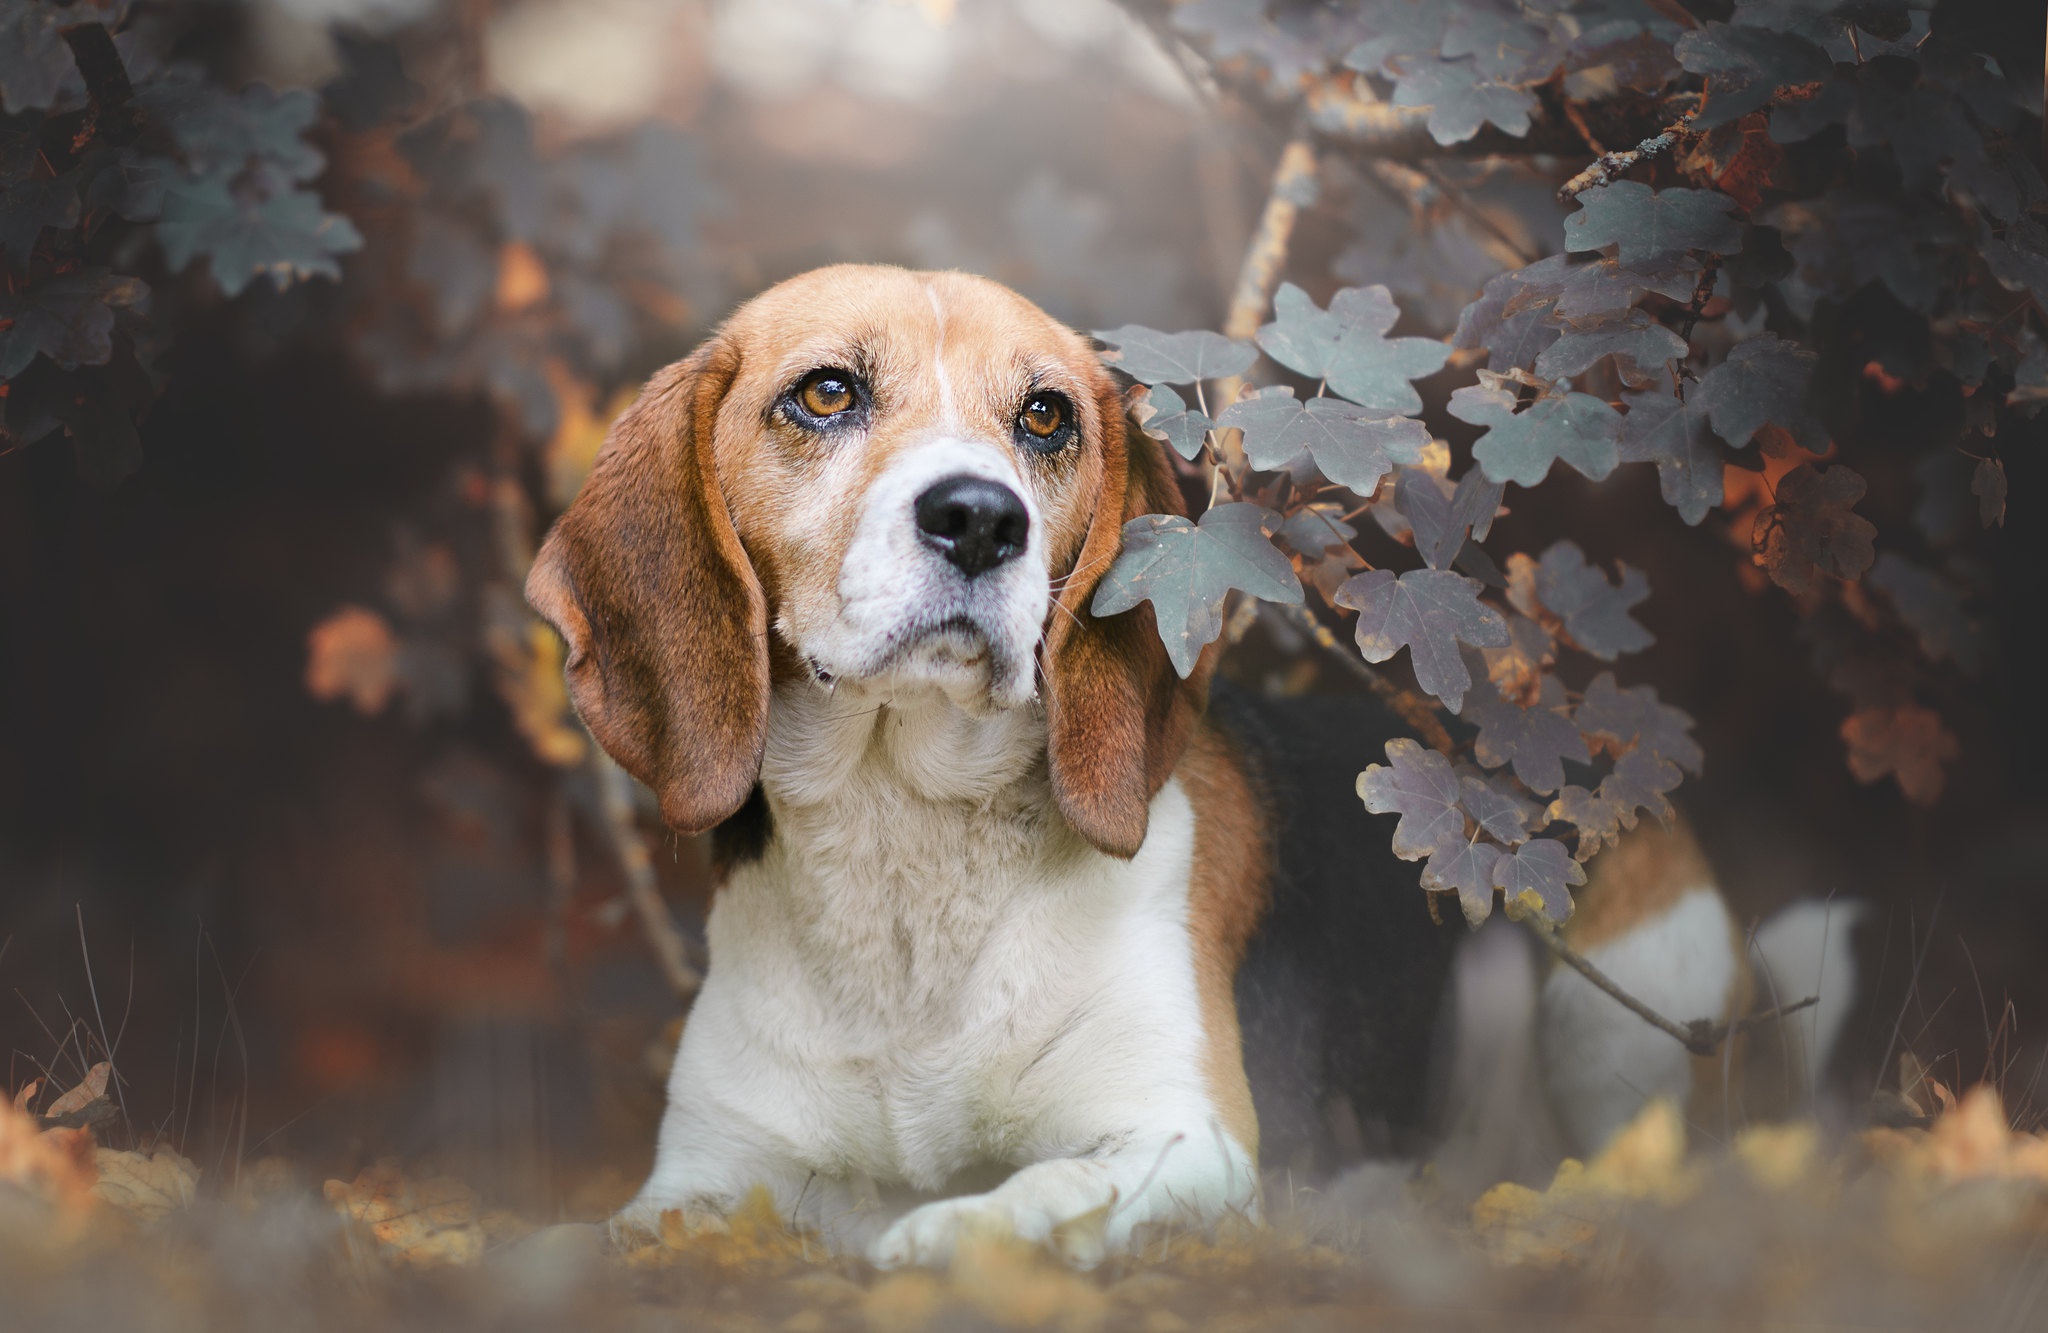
931,292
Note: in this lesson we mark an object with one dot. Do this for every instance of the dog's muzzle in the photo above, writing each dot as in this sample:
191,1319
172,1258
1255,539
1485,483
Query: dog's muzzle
975,523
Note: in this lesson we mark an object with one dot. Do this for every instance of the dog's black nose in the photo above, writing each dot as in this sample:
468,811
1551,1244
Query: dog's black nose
975,523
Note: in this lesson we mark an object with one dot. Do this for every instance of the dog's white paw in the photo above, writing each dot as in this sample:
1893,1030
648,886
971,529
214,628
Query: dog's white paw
930,1234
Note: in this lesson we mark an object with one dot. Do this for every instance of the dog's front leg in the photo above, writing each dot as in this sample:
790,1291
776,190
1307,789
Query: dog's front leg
1088,1207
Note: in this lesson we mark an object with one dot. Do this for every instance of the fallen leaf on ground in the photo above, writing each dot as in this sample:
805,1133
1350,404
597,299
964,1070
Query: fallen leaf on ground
424,1224
94,1084
145,1186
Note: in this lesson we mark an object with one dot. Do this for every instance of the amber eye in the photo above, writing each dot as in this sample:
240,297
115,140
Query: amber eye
827,393
1044,416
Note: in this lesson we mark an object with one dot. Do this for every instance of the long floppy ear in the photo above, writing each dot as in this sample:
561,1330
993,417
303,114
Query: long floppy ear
667,629
1117,714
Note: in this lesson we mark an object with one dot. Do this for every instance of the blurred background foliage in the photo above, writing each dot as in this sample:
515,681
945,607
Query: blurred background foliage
307,338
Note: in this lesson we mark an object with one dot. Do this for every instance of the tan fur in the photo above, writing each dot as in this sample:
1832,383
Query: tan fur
1227,895
672,574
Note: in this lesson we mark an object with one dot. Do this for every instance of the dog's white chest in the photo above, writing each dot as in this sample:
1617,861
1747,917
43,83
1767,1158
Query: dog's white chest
910,982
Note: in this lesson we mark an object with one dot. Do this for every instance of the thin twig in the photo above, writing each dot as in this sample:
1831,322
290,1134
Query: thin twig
1698,1036
1609,165
615,800
1416,711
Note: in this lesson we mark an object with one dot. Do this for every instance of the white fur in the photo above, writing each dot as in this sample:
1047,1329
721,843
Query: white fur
1805,950
929,975
1601,1062
895,591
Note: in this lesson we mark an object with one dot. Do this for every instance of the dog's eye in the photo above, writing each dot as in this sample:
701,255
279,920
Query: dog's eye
826,393
1045,419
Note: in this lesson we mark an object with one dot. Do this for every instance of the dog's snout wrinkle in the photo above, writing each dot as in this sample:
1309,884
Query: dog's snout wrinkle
976,523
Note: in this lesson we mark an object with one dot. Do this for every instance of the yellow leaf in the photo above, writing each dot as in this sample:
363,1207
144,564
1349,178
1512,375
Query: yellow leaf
522,278
353,654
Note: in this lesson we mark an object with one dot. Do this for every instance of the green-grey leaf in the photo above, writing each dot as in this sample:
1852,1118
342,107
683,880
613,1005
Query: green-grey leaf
1187,569
1351,445
1644,224
1763,382
1347,345
1421,787
1172,420
1577,428
1642,348
1151,357
1673,433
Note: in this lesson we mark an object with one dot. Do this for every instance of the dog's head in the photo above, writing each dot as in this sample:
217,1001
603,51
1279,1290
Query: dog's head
913,480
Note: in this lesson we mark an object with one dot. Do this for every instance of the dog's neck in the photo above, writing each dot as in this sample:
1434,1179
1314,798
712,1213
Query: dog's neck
903,832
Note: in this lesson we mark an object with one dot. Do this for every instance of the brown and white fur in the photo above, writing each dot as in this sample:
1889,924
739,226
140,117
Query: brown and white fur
991,870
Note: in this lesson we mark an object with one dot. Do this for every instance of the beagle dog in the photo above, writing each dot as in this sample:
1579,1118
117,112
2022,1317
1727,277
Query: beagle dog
999,891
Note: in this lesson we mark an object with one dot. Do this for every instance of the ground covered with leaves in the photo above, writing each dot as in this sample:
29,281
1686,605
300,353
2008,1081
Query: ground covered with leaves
1942,1225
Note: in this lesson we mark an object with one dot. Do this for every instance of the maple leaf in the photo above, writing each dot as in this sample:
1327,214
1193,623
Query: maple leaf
146,1186
1745,66
1645,224
1316,528
1641,780
1467,869
1635,718
1500,813
1519,447
1421,787
1187,569
1642,348
1537,878
1597,818
1440,515
287,236
1511,318
1909,742
1594,611
1168,418
1606,287
1347,346
1763,382
68,318
1931,609
1536,740
1674,433
1151,357
1351,445
1429,612
1811,532
219,131
1462,99
1516,669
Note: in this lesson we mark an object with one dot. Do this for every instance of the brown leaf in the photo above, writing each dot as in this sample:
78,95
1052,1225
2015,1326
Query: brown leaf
427,1224
354,655
27,1094
145,1187
1910,743
93,1085
1811,532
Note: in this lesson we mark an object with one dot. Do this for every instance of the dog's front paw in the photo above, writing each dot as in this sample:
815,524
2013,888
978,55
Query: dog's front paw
931,1234
645,1220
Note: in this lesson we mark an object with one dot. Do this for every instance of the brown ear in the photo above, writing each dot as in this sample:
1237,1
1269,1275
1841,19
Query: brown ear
1117,714
645,579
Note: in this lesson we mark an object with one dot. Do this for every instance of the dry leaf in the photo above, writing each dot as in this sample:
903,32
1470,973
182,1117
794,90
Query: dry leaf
27,1094
145,1187
354,655
92,1086
425,1224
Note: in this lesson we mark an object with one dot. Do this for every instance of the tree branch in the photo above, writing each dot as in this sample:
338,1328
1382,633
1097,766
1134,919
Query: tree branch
1698,1036
1413,709
615,801
106,81
1609,165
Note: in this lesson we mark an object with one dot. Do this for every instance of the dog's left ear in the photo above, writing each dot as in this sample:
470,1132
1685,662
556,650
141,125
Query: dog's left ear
1117,714
645,578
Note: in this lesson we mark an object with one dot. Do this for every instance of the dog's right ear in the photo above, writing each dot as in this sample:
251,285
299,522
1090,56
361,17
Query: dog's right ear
667,629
